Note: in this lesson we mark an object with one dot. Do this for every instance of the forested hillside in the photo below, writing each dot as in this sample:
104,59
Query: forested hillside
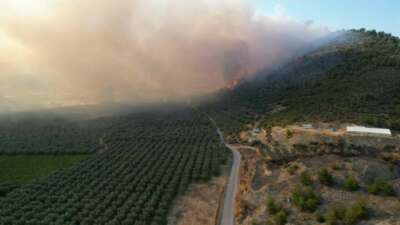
356,78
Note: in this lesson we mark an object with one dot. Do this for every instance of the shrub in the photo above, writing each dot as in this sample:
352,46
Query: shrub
335,215
256,143
272,207
306,199
336,166
356,212
351,183
347,215
292,169
325,177
280,217
381,187
306,178
300,147
319,217
278,213
389,148
289,134
373,189
387,189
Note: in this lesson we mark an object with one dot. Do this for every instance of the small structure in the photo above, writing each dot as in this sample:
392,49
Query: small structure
257,130
369,131
307,126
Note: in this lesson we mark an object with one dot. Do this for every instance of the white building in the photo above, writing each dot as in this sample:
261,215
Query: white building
369,131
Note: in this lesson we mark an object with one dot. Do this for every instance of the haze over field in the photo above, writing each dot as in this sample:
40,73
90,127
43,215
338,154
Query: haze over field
70,52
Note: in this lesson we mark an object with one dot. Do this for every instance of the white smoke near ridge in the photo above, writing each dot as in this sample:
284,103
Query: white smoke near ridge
71,52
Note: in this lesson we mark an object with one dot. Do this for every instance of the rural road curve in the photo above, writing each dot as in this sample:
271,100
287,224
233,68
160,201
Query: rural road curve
228,212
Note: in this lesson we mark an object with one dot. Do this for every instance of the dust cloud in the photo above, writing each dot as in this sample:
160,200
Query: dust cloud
73,52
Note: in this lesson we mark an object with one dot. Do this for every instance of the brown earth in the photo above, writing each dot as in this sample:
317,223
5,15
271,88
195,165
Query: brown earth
261,178
323,134
200,206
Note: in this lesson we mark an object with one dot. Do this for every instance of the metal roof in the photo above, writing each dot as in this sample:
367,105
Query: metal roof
359,129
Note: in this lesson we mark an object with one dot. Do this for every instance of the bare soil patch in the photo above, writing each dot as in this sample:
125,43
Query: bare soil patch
200,206
278,181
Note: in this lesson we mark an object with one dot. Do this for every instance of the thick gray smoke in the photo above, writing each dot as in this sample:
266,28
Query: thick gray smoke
67,52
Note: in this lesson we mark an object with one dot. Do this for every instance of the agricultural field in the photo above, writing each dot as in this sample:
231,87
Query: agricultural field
149,160
51,136
22,169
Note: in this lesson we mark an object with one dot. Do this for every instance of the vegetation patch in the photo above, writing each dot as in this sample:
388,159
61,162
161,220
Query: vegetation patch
325,177
302,198
341,214
380,186
22,169
152,158
292,169
306,178
351,183
279,215
332,83
51,136
305,198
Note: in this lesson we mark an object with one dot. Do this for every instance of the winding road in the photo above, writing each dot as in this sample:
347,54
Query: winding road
228,212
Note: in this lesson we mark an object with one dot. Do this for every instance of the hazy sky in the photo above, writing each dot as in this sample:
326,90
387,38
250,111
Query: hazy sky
338,14
67,52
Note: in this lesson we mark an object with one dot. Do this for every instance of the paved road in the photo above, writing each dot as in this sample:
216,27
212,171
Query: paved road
228,212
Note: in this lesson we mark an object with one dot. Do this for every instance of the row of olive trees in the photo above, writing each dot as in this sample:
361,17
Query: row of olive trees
150,161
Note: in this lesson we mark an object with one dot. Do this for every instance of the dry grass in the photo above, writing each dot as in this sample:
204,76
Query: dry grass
279,183
200,205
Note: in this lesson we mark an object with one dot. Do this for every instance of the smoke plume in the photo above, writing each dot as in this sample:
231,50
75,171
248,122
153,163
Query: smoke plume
68,52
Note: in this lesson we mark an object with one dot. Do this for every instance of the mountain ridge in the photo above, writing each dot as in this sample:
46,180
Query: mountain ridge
353,79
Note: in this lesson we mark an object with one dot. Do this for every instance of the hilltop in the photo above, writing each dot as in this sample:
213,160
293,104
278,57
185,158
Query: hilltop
354,78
